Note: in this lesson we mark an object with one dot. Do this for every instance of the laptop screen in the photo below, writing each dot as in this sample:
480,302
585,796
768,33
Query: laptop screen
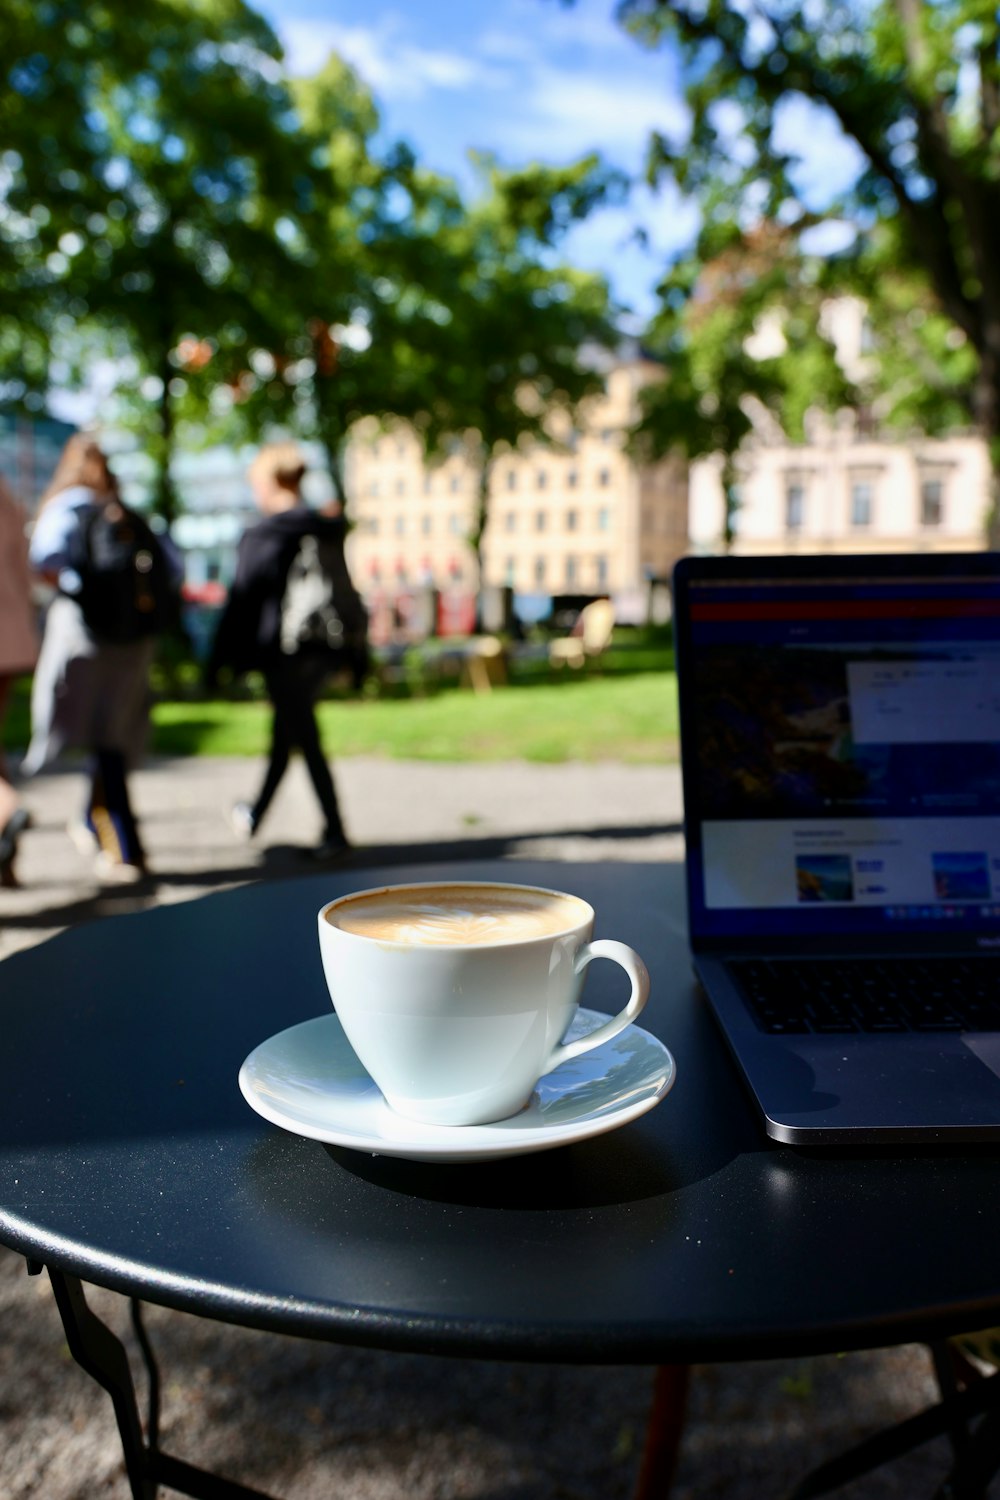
840,723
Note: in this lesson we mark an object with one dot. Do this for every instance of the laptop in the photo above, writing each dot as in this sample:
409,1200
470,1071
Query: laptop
840,752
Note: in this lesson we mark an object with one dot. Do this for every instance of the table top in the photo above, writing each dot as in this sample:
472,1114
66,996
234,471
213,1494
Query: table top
129,1157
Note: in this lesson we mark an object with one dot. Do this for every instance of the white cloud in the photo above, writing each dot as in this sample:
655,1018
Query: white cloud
566,112
388,63
607,242
829,162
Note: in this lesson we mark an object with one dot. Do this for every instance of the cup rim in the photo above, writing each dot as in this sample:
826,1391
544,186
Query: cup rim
417,885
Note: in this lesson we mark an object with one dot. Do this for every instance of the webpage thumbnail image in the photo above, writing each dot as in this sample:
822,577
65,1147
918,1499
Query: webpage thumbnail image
961,877
824,877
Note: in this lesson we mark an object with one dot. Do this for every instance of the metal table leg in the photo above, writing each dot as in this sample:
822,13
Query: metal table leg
98,1351
977,1451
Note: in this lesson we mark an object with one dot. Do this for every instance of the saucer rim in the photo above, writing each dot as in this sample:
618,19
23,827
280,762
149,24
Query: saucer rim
459,1143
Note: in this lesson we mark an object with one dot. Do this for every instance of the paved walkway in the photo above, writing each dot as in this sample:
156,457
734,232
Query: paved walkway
395,812
306,1421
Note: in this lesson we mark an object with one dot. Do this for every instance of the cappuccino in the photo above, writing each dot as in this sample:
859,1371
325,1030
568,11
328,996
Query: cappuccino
458,1003
457,915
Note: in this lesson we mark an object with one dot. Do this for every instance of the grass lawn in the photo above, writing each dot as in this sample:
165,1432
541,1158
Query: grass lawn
629,718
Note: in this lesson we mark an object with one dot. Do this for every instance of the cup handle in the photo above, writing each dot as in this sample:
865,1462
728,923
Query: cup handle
619,953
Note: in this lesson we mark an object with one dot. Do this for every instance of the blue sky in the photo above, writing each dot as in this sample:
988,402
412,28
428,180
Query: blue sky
526,79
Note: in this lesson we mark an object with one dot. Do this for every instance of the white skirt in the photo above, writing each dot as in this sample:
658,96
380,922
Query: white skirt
86,694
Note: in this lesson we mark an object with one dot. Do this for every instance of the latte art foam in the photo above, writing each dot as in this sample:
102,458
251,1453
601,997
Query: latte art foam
447,915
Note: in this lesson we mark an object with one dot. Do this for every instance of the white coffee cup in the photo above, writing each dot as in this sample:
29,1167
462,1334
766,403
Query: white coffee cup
456,995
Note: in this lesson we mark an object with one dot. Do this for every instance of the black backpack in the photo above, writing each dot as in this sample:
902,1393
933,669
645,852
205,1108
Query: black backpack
127,592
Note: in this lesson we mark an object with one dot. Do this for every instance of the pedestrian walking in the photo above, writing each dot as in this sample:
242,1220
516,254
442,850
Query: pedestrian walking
18,651
293,614
117,588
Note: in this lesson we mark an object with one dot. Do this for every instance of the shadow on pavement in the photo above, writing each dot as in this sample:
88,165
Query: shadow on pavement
291,861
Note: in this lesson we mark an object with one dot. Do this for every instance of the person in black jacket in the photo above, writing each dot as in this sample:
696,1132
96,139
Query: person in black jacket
264,628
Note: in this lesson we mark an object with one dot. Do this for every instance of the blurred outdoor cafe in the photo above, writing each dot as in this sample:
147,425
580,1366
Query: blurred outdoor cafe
429,637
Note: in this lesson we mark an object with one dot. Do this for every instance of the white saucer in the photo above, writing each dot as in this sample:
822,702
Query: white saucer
309,1080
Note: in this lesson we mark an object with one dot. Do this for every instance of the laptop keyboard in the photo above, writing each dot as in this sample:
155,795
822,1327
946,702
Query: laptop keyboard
904,994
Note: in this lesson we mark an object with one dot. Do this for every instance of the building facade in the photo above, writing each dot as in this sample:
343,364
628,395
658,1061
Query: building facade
850,486
848,492
574,516
29,451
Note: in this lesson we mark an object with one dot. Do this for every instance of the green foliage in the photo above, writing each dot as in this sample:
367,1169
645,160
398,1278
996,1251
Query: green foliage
249,259
156,181
717,379
914,89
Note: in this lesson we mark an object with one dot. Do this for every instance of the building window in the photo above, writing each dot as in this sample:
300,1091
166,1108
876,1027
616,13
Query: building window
541,479
510,570
512,479
861,503
454,484
373,487
539,569
427,484
371,525
604,478
510,521
794,506
572,518
570,570
601,570
572,479
400,526
604,518
401,448
931,502
425,525
541,520
455,524
400,486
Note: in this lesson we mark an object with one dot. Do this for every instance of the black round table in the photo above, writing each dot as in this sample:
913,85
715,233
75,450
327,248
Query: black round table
129,1159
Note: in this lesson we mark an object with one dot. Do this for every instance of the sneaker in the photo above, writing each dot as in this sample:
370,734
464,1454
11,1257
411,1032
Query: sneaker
83,837
111,871
241,820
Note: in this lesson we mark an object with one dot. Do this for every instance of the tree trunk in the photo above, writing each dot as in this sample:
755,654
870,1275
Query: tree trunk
987,412
165,501
731,501
482,516
330,426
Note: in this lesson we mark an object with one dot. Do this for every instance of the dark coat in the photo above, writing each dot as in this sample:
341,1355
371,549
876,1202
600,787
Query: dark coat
248,634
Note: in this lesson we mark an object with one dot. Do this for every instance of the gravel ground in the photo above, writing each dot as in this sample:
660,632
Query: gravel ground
304,1420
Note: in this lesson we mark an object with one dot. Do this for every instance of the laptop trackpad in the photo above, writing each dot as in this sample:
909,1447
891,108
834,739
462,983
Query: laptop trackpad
985,1046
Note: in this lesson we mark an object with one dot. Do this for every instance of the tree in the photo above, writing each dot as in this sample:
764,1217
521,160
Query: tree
916,87
739,335
522,330
419,307
360,337
156,184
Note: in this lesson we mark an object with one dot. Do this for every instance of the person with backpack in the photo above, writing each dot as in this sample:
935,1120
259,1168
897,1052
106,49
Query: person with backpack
117,587
294,615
